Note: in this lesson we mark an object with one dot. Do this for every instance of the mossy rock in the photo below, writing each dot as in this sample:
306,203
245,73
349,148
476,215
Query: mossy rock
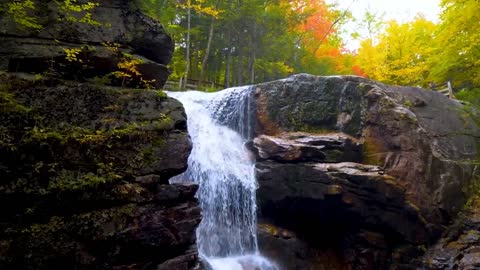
68,138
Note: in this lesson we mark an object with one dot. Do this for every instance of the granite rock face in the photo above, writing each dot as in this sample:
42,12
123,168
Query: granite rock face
119,29
371,172
84,172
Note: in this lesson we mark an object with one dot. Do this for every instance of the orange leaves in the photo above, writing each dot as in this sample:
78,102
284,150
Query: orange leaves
318,22
318,33
358,71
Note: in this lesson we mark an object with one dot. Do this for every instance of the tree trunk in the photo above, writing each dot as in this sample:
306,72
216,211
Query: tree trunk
253,55
207,50
252,66
209,44
226,80
240,66
187,54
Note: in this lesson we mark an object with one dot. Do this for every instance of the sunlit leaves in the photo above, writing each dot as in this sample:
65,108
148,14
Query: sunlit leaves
24,13
401,55
458,43
19,12
201,7
73,11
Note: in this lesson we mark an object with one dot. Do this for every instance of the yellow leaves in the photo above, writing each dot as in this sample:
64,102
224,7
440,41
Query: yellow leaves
199,7
129,65
128,70
72,54
111,46
401,55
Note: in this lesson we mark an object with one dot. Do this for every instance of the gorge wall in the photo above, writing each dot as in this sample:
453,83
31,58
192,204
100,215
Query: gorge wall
84,167
85,174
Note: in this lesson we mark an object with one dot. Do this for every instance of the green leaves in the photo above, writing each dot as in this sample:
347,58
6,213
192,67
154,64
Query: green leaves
73,11
20,13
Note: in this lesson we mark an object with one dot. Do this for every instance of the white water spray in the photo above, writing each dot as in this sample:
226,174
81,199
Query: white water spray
219,125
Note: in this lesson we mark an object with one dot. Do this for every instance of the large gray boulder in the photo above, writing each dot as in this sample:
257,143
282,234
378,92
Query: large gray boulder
374,170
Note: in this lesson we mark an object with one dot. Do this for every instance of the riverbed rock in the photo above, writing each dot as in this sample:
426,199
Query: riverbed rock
459,246
290,251
84,172
119,32
414,154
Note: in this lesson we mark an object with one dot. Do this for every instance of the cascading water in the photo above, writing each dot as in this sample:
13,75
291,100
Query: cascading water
219,125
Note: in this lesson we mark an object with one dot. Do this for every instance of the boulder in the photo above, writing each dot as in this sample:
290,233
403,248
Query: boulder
371,172
421,138
85,172
120,30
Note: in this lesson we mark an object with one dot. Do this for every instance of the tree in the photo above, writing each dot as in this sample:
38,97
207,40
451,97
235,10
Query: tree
402,53
250,40
458,44
23,12
197,6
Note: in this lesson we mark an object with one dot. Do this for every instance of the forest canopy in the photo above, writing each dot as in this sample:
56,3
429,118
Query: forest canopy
236,42
224,43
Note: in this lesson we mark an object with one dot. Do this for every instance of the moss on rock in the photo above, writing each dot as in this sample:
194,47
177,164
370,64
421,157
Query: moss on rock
69,157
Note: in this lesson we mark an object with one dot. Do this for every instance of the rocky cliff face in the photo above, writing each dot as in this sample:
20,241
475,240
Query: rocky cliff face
120,29
84,172
84,167
369,173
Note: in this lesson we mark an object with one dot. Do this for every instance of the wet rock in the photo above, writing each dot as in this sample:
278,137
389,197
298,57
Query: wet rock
290,252
459,247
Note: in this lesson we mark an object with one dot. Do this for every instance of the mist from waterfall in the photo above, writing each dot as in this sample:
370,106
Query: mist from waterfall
219,125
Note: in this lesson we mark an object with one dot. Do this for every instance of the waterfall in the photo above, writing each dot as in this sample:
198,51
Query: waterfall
219,125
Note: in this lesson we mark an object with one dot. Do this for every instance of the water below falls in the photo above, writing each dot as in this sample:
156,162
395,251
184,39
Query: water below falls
219,125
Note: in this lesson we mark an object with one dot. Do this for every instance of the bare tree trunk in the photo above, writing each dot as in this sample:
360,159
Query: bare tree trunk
226,81
252,65
207,50
209,44
187,54
253,55
240,66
